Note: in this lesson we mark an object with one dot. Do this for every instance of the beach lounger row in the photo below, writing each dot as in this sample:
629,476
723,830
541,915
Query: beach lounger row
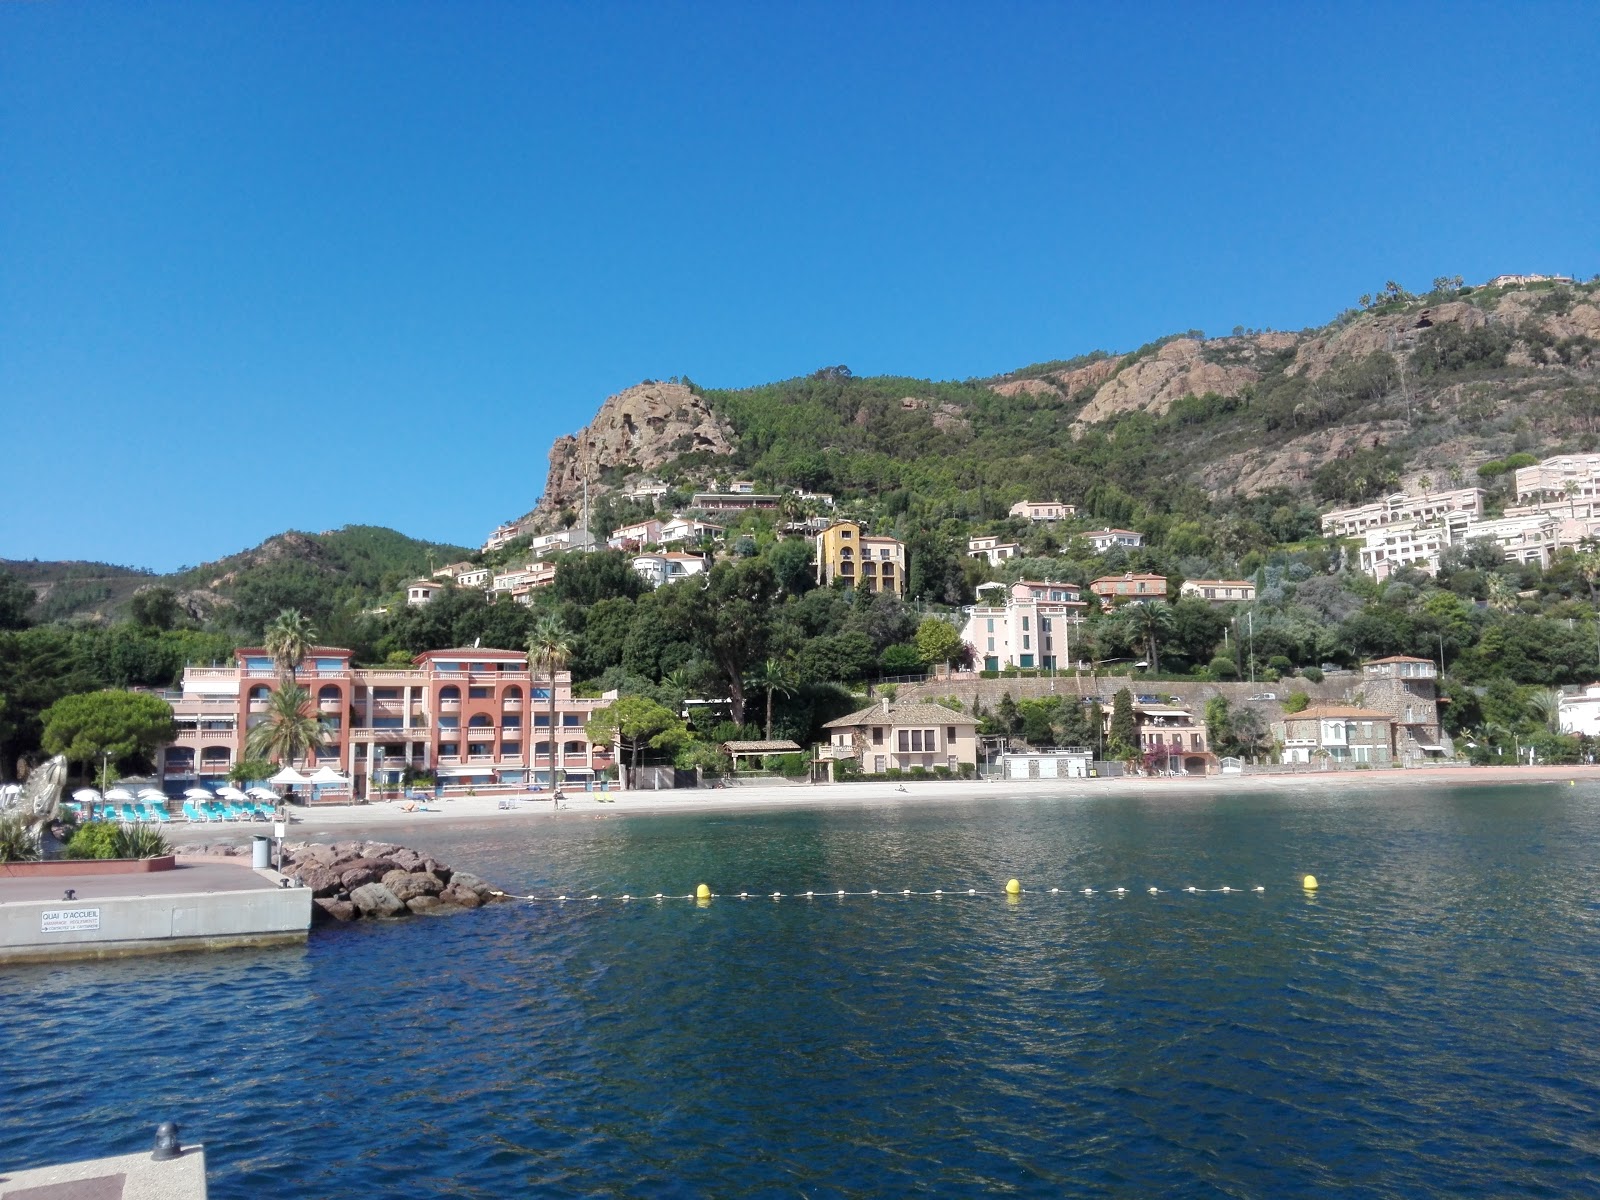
216,811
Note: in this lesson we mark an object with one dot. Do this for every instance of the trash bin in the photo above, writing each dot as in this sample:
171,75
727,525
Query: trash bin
260,852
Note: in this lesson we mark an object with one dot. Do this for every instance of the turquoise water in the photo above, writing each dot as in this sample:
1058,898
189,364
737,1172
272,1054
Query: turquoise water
1424,1026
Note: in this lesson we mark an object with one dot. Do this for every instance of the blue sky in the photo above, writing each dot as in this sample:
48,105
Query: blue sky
299,265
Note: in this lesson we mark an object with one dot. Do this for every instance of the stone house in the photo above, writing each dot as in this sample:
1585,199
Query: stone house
887,735
1337,732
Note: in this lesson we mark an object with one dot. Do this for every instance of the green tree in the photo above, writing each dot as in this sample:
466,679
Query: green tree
289,729
155,608
288,639
938,641
1150,623
549,651
1124,728
248,769
115,724
16,598
634,722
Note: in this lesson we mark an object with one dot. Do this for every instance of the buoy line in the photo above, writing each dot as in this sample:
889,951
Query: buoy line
1012,891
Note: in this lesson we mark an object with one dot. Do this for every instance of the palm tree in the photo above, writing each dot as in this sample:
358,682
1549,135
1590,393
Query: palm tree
549,651
773,678
1546,706
1150,621
288,639
290,729
1502,593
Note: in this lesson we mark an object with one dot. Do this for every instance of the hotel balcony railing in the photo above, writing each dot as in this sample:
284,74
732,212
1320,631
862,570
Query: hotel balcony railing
334,705
388,677
449,705
386,733
511,705
480,758
206,735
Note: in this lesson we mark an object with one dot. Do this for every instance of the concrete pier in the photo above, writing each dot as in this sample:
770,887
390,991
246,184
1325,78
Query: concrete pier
199,905
126,1177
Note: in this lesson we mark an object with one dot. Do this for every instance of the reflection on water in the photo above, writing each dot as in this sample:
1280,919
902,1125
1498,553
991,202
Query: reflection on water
1423,1026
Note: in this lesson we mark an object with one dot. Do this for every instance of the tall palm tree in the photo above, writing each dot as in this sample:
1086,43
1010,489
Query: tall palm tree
288,639
1546,706
549,651
290,729
773,678
1150,622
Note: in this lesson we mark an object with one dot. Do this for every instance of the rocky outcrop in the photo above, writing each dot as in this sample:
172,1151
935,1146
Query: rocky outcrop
1065,384
349,880
1151,384
638,429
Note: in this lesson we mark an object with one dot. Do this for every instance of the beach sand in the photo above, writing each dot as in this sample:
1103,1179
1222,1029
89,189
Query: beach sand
391,817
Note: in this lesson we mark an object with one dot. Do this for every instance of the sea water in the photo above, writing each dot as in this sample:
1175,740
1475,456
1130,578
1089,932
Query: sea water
1425,1024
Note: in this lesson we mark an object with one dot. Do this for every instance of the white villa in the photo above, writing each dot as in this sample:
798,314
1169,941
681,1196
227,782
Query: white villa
1456,507
1105,539
993,549
1025,625
668,566
1580,712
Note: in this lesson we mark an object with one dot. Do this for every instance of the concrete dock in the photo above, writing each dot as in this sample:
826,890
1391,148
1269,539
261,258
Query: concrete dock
126,1177
199,905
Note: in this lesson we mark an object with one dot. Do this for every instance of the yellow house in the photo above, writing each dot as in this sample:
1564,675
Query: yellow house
873,564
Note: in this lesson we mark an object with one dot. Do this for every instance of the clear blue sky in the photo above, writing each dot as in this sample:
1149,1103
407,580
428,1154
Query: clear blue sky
299,265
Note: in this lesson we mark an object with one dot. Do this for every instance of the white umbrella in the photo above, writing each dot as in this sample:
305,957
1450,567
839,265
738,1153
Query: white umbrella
231,793
198,793
151,793
289,775
119,794
328,775
262,793
86,796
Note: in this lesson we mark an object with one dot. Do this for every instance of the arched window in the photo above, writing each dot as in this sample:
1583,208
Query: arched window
260,692
328,691
541,747
481,721
449,692
572,748
514,692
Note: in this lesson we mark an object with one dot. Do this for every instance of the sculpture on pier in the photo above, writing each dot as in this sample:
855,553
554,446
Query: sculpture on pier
39,799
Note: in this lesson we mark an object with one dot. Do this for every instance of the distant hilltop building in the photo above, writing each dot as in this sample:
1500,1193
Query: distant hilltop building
1107,539
1560,510
1518,280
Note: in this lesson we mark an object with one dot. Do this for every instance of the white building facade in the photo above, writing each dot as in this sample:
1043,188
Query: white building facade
1031,628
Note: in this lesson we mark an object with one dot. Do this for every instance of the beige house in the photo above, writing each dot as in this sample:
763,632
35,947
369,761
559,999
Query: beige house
1043,510
1219,591
887,736
1337,733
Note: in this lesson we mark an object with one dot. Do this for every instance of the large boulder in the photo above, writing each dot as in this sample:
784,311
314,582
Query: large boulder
320,879
408,884
424,904
406,860
362,871
466,881
325,909
464,897
318,852
375,900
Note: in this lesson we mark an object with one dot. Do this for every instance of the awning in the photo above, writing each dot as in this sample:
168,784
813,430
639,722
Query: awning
459,772
1434,749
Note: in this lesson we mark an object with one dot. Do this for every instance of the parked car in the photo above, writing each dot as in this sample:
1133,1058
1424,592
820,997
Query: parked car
1265,696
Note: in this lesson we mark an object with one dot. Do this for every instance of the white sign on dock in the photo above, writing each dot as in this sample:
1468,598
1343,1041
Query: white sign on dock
69,920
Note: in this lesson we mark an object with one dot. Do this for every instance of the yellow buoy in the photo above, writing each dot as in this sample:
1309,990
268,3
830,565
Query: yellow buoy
703,892
1309,883
1013,888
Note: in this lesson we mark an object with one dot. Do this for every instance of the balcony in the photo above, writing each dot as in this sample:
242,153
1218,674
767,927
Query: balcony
450,706
511,705
390,733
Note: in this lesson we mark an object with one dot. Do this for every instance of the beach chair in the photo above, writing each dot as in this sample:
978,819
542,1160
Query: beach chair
189,813
128,814
162,816
213,811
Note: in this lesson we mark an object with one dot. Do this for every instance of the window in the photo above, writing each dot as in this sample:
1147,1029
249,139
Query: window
991,645
905,740
450,749
930,739
511,748
990,629
877,736
916,740
877,763
950,735
479,693
571,720
511,722
1025,624
541,720
1027,642
1194,742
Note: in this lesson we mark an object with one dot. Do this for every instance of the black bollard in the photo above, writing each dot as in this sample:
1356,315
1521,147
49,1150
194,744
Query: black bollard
167,1146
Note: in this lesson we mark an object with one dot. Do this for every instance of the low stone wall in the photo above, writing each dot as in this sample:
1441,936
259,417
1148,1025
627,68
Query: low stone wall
1192,694
58,867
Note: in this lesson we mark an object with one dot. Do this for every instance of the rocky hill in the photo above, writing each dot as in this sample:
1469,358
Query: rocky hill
1403,388
637,430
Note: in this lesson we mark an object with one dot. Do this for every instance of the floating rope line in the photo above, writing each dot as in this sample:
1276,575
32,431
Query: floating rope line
705,894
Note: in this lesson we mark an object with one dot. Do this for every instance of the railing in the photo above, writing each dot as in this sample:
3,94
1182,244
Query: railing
511,705
398,733
402,675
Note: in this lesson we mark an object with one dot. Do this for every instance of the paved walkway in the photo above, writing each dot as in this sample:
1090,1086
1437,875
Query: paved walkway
184,878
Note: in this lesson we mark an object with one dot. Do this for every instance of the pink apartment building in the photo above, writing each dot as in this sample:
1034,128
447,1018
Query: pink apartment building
469,716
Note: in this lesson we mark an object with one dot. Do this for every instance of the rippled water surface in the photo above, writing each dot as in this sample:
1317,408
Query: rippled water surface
1426,1025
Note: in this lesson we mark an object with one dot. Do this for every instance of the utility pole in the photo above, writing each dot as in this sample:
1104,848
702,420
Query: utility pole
1250,626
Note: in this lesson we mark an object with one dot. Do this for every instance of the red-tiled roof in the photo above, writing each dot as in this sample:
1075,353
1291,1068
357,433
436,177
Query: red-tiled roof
1394,658
1338,710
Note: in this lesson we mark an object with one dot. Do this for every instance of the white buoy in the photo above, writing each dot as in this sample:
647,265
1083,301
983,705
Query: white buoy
1226,888
1155,891
1191,889
1088,891
1258,888
907,892
1119,891
972,891
1054,891
874,891
939,892
841,891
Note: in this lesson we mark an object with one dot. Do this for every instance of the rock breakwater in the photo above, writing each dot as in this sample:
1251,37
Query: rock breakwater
350,880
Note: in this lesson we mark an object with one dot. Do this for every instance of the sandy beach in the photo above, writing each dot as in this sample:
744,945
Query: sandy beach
393,816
